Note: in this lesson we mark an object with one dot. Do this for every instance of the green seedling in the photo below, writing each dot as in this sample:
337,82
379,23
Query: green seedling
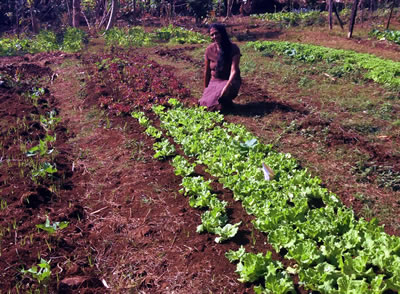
3,204
43,170
50,122
41,272
52,228
42,147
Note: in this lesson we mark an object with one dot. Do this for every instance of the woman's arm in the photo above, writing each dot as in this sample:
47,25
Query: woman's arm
207,72
232,75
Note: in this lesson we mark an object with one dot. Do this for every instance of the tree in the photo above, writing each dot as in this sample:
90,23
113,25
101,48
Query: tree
391,13
113,13
200,9
76,11
352,18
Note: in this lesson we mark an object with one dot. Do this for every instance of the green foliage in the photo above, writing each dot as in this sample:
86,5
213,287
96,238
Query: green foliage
294,18
44,170
382,71
163,149
132,37
180,35
253,267
49,121
141,117
52,228
153,132
392,36
13,46
213,219
226,232
41,272
42,148
333,250
45,41
73,40
182,167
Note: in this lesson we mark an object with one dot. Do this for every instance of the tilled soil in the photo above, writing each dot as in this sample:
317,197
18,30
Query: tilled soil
129,229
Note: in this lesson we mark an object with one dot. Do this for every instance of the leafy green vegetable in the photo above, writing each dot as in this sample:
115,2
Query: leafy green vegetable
226,232
163,149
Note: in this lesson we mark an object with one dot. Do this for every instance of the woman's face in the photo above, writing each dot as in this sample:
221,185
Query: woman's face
215,35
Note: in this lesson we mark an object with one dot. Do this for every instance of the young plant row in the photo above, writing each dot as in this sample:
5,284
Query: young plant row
392,36
382,71
305,222
45,41
138,37
28,164
126,82
215,219
294,18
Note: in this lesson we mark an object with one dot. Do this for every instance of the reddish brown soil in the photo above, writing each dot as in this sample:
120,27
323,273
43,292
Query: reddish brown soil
130,231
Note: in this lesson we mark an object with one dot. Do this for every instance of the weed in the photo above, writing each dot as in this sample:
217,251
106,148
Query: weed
3,204
248,66
385,111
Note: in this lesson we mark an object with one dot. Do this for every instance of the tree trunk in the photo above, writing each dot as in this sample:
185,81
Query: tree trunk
18,15
229,8
76,12
352,18
362,12
330,14
113,16
35,24
337,15
391,13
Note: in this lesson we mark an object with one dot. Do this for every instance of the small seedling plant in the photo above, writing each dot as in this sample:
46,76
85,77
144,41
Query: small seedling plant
52,228
40,272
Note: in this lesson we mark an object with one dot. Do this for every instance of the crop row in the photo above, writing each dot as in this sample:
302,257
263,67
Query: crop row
393,36
293,18
72,41
305,222
125,82
382,71
29,170
137,36
251,267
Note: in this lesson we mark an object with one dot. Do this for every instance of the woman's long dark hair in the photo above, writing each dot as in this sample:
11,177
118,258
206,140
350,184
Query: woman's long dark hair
226,47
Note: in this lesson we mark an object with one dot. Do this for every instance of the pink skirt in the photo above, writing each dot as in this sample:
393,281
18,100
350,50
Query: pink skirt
212,94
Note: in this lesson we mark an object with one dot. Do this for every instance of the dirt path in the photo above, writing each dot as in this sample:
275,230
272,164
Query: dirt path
138,233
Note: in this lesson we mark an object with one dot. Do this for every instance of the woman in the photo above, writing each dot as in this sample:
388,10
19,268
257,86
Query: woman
221,70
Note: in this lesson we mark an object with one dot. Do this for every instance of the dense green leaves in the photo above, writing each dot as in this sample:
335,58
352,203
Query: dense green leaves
382,71
45,41
333,250
393,36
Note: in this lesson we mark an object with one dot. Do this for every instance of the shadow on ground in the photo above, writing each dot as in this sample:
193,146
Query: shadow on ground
257,108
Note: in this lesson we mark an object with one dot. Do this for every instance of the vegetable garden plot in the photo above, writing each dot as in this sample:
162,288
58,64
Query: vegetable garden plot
37,206
352,253
379,70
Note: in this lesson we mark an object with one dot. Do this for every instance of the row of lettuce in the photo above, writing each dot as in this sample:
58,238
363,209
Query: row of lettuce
334,251
382,71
